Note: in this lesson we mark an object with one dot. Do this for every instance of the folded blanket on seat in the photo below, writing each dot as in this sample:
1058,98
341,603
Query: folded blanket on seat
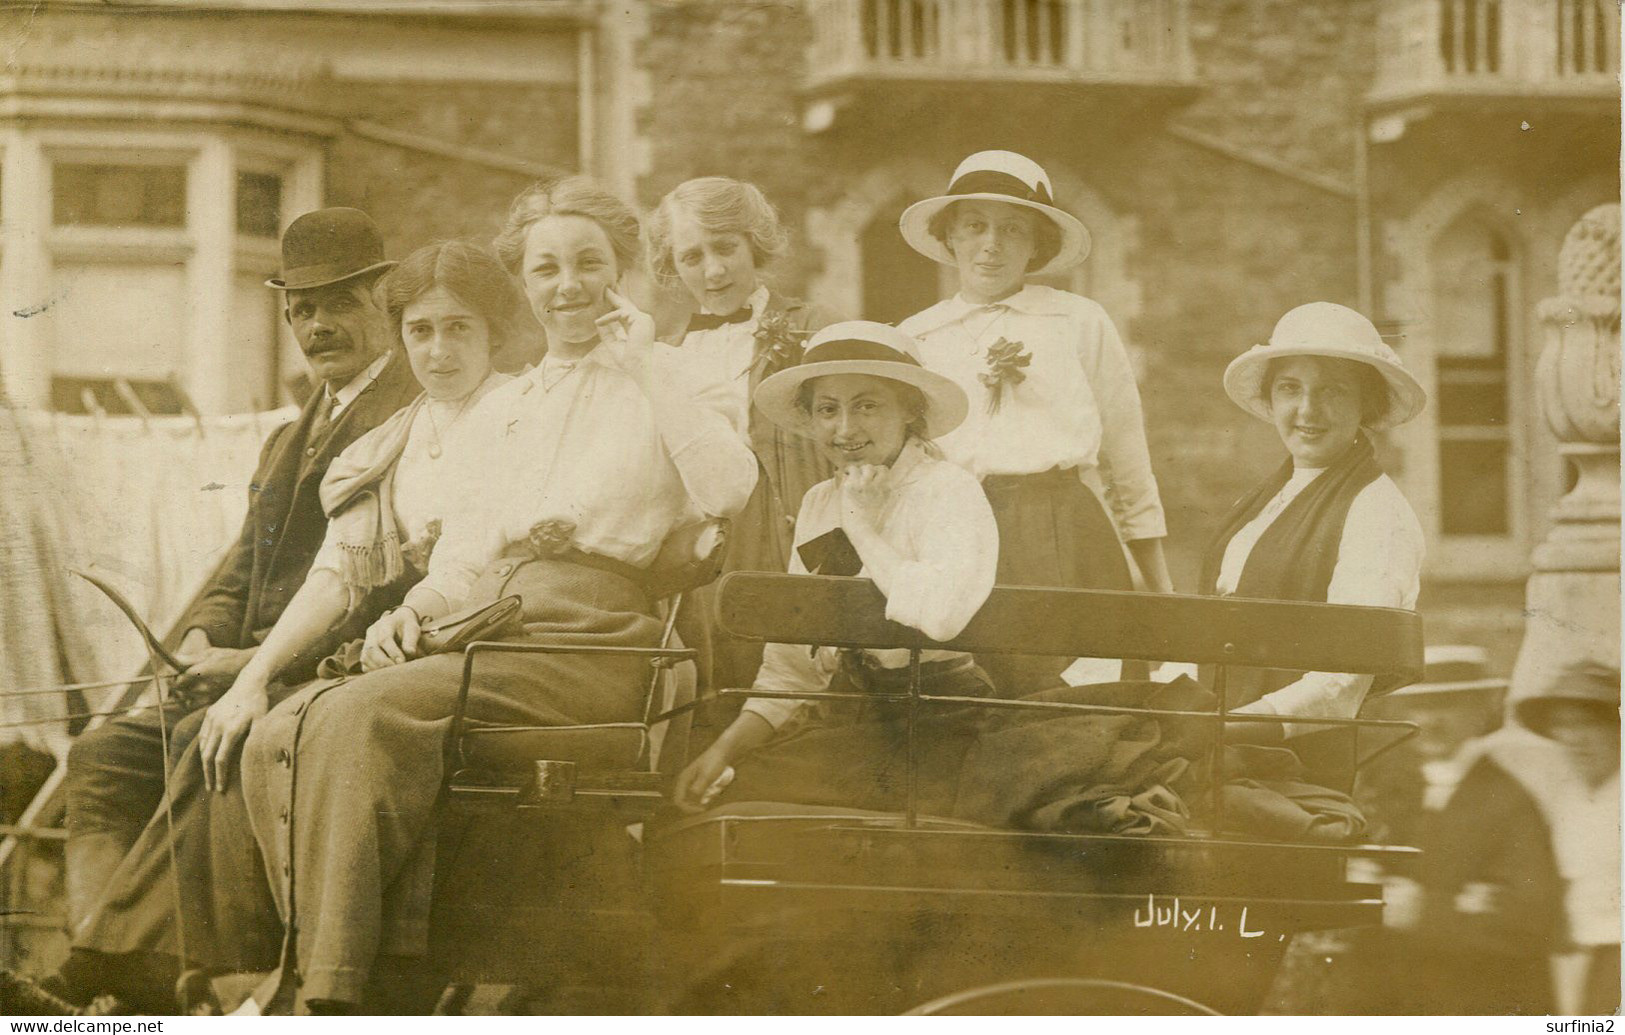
1088,772
1102,773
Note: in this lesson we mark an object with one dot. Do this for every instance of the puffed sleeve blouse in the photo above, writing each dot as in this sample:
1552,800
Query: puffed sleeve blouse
939,520
581,444
1379,564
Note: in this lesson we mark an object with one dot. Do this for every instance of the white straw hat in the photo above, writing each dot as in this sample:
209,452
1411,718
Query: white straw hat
862,347
1335,331
997,176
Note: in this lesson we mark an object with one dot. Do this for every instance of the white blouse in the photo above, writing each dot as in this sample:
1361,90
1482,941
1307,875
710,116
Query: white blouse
1078,406
581,443
939,520
1379,564
722,357
423,481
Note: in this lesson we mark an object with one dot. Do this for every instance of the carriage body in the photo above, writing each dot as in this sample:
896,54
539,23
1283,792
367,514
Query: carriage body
561,872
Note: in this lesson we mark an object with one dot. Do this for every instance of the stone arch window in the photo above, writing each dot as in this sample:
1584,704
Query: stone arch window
1476,302
1463,268
897,280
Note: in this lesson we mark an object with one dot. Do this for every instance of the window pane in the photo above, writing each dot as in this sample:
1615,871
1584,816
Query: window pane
1476,402
118,195
1473,488
259,204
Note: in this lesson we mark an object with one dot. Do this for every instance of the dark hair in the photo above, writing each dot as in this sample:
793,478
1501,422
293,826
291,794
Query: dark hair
1375,397
571,196
1046,235
721,205
468,272
909,397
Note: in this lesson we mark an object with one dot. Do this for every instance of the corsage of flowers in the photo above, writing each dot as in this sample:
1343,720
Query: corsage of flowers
551,538
778,343
1005,362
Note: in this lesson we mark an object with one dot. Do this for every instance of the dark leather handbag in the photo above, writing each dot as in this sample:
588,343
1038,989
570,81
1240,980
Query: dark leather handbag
453,632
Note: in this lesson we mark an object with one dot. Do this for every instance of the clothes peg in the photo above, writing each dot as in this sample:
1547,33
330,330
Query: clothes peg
127,393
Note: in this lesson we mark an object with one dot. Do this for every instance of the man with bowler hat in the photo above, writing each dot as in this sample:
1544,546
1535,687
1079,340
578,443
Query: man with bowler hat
331,259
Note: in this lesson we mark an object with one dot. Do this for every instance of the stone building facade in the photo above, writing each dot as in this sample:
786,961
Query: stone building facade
1418,159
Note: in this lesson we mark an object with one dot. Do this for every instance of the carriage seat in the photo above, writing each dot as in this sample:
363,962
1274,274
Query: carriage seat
630,751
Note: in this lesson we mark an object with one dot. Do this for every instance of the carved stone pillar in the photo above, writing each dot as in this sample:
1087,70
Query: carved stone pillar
1573,612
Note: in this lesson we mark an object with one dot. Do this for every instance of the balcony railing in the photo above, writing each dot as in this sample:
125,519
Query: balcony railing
1106,41
1504,47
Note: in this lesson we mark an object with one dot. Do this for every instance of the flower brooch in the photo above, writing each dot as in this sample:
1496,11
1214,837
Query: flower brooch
1006,363
778,343
551,538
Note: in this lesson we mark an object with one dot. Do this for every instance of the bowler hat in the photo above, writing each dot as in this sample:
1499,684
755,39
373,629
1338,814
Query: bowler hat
327,246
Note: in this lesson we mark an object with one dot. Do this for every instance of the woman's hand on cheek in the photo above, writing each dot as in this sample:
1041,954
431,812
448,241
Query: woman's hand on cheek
629,332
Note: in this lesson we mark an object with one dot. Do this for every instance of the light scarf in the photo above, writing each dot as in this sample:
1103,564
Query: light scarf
358,496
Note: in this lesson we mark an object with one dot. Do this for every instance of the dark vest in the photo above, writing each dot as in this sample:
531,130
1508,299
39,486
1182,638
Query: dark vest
1294,560
285,525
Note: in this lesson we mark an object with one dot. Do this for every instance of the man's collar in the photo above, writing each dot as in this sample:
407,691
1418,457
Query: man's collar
346,395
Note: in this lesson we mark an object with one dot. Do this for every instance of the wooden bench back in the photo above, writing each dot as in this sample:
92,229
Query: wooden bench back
849,612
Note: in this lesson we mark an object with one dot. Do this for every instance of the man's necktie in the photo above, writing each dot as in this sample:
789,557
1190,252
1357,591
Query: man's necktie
710,321
324,419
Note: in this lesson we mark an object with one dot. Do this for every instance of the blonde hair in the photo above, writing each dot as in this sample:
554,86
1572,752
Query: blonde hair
571,196
721,205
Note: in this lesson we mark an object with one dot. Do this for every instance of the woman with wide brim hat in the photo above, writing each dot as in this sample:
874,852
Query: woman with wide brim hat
1328,525
1055,430
895,512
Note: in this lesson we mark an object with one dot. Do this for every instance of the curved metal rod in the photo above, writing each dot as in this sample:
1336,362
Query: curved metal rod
153,644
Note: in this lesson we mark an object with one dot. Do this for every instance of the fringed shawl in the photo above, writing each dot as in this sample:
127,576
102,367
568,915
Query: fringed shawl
358,496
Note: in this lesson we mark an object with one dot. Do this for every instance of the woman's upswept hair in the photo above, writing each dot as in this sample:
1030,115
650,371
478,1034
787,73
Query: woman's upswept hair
571,196
470,273
1046,235
720,205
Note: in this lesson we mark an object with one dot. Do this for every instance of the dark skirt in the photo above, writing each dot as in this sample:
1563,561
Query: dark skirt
342,779
857,757
1053,531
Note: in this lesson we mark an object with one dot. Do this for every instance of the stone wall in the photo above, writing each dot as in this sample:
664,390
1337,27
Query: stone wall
418,197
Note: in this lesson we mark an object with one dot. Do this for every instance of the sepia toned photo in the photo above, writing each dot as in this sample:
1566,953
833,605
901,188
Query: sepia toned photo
792,507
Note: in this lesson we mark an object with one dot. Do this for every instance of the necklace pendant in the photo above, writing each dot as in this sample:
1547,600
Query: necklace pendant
434,451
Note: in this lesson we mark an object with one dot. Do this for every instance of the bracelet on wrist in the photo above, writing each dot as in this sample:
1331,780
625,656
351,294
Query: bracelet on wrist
404,607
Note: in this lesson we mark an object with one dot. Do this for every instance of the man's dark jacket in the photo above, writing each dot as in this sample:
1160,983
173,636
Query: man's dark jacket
284,526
